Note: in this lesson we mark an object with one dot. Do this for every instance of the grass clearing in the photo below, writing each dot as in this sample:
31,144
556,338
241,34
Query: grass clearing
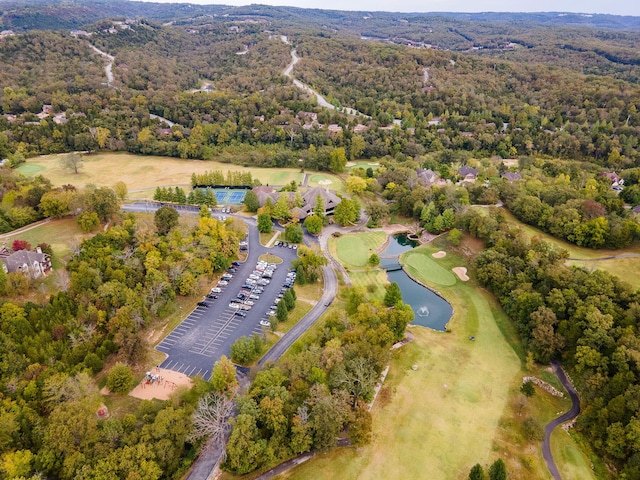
572,463
61,234
354,250
142,171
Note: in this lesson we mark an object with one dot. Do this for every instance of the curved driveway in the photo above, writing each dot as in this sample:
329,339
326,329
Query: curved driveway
571,414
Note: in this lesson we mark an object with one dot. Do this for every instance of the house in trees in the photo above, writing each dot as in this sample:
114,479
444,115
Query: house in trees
616,180
427,176
329,199
34,264
511,176
468,174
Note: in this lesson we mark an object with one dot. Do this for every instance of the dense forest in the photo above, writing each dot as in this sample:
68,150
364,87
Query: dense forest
549,100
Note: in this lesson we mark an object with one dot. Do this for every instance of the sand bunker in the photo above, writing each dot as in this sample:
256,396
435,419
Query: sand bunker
461,272
439,254
350,164
324,182
167,382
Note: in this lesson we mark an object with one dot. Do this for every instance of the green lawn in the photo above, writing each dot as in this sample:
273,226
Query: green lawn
572,462
60,234
354,250
372,282
363,164
422,266
140,171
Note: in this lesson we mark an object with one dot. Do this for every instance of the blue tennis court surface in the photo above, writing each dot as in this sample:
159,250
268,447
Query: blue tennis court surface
228,195
237,196
221,196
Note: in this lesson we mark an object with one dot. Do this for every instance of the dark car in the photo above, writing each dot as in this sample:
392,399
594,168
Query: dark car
203,304
212,295
240,313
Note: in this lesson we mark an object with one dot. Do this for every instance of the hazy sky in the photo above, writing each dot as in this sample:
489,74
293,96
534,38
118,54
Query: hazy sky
616,7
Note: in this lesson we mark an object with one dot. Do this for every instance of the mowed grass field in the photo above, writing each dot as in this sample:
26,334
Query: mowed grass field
461,406
427,422
140,172
354,250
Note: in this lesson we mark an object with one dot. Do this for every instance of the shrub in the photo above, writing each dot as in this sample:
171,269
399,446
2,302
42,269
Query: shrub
120,379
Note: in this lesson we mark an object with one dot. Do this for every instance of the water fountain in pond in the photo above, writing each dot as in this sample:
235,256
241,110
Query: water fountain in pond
430,310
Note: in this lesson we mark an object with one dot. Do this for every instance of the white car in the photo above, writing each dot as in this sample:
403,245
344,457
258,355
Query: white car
216,290
265,323
271,313
248,302
234,305
222,283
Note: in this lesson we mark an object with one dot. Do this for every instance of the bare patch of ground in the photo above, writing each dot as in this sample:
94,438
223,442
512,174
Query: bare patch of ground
162,388
461,272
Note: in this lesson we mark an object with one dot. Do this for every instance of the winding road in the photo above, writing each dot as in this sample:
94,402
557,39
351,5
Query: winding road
570,415
322,102
109,66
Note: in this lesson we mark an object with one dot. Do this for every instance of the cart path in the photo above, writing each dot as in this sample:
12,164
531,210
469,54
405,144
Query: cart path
570,415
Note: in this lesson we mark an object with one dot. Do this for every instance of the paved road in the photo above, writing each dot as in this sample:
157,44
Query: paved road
330,291
571,414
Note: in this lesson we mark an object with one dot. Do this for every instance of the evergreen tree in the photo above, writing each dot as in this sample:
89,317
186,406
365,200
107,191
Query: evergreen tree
498,470
477,472
393,295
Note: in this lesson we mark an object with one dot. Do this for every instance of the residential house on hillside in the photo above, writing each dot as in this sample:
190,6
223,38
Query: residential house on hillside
468,174
616,180
427,176
34,264
329,199
511,176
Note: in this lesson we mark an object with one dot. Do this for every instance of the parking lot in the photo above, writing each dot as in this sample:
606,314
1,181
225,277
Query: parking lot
229,312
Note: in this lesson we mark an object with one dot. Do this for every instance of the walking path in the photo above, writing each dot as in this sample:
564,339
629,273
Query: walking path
610,257
570,415
31,226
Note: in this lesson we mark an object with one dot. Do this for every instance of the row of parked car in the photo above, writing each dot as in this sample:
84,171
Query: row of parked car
253,287
288,283
286,245
217,289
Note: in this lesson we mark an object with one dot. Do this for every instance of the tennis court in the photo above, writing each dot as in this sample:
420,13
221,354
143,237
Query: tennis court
228,196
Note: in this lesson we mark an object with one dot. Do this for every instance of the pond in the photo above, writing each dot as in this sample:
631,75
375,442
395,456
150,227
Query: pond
430,310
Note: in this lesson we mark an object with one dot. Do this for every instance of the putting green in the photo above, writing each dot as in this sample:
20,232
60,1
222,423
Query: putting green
354,250
421,266
30,168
